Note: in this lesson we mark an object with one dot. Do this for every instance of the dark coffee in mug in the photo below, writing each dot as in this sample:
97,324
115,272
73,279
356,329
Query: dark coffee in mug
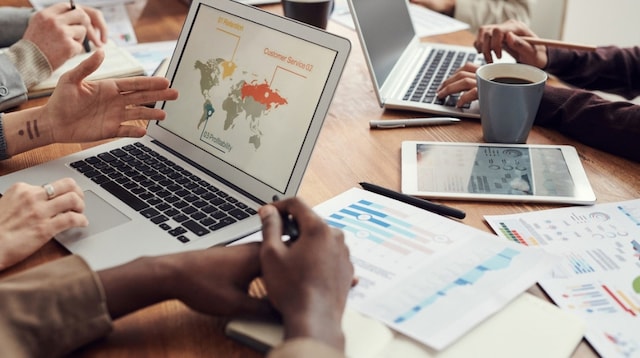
312,12
512,80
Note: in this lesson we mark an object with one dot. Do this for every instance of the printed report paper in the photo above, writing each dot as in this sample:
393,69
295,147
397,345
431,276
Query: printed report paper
424,275
599,275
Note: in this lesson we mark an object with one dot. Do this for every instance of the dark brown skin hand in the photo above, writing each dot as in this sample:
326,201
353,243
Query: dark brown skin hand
307,281
219,288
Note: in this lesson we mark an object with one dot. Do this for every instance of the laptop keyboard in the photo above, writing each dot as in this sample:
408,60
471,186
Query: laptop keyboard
439,65
170,196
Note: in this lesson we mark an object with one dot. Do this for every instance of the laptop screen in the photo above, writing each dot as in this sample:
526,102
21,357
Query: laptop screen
386,31
248,93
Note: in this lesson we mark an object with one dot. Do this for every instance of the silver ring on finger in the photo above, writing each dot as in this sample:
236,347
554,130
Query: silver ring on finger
48,188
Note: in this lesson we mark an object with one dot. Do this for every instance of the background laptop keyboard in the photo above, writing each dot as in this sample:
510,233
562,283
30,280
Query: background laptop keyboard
439,65
170,196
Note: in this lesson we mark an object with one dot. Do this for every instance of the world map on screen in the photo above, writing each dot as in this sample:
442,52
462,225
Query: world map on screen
252,99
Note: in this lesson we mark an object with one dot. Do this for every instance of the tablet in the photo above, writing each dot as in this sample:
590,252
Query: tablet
499,172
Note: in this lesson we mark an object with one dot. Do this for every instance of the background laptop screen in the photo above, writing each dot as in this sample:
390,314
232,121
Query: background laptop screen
248,93
386,30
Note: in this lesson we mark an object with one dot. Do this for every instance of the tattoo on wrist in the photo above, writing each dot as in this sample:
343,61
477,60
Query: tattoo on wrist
31,131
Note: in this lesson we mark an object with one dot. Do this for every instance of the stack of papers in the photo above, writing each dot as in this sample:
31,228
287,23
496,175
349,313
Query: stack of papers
426,276
599,275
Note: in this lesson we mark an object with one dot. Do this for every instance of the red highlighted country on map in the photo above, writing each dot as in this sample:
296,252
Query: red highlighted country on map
263,94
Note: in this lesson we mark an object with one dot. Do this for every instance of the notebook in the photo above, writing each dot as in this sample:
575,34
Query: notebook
521,329
254,91
405,71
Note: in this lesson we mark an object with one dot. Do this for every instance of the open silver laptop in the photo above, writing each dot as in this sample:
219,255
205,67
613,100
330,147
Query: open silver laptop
405,71
254,89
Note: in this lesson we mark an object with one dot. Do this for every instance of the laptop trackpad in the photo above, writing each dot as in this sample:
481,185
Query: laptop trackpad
102,216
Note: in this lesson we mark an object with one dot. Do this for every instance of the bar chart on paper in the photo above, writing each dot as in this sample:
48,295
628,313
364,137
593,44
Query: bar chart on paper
599,275
417,270
387,227
611,309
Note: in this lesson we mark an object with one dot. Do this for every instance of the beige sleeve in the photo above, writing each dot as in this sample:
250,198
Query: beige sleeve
51,310
31,63
304,347
486,12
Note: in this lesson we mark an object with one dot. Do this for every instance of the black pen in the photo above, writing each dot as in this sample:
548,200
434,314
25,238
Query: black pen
420,203
289,224
85,42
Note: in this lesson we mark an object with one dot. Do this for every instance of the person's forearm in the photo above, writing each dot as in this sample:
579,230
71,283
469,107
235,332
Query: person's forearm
613,127
137,284
319,322
609,69
51,310
25,130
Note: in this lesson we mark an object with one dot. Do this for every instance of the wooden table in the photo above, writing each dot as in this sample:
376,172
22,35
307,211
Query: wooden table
347,152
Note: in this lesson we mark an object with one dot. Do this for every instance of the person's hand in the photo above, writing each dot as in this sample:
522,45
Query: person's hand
97,32
100,108
84,111
59,31
221,284
507,36
446,7
214,281
29,217
463,80
307,281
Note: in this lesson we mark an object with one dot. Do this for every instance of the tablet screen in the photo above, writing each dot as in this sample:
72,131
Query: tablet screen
493,171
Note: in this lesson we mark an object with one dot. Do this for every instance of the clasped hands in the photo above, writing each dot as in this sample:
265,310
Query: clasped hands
307,282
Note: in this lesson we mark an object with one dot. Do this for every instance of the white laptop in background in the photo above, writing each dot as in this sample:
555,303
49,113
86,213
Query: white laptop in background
254,89
396,56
